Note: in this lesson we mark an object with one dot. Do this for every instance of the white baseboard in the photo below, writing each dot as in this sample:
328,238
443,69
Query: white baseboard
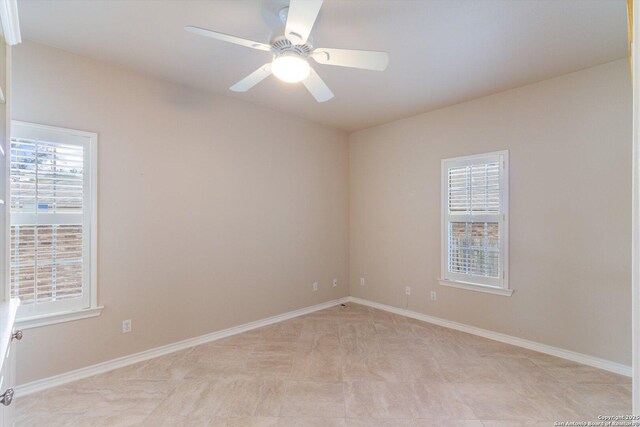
67,377
585,359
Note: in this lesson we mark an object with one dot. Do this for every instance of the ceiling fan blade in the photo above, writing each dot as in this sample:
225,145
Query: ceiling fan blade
228,38
300,19
252,79
317,87
364,59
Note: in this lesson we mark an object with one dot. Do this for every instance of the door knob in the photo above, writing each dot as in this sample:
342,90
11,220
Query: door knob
7,397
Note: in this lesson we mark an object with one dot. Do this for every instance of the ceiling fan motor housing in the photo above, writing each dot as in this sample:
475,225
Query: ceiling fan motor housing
280,44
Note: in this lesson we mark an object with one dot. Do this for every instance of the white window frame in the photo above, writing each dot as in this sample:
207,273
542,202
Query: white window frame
56,312
500,285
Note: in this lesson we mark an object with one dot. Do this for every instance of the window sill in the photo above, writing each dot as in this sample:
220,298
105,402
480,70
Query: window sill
52,319
476,287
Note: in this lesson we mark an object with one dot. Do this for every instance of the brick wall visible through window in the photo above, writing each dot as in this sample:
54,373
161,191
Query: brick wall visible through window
46,262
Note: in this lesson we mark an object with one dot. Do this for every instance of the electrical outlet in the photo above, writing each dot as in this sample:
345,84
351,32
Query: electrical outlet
433,296
362,281
407,290
126,326
335,282
315,286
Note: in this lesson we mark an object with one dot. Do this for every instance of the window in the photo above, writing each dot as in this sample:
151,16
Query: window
53,220
475,222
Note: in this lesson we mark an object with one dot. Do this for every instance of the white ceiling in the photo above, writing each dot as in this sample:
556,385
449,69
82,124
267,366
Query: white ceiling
442,52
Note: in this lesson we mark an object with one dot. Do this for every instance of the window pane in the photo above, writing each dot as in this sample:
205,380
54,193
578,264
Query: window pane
474,248
46,262
46,177
474,189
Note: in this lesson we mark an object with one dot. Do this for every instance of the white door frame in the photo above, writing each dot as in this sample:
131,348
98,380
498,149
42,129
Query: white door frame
635,252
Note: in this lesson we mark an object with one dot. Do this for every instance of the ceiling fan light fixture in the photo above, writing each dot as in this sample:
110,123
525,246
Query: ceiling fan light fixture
290,67
291,50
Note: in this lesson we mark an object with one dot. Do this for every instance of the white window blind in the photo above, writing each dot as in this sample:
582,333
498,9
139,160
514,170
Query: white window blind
51,185
474,234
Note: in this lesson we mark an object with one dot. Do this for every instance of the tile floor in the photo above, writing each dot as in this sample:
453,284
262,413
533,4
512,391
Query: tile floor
349,366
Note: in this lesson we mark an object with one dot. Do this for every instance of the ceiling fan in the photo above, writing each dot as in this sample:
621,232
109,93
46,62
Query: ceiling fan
292,49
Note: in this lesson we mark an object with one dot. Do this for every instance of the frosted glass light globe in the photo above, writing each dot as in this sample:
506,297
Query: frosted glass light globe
290,68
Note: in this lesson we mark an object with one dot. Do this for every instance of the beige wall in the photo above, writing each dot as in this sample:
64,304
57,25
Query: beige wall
212,212
569,140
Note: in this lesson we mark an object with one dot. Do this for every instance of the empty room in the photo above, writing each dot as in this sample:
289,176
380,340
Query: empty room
310,213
